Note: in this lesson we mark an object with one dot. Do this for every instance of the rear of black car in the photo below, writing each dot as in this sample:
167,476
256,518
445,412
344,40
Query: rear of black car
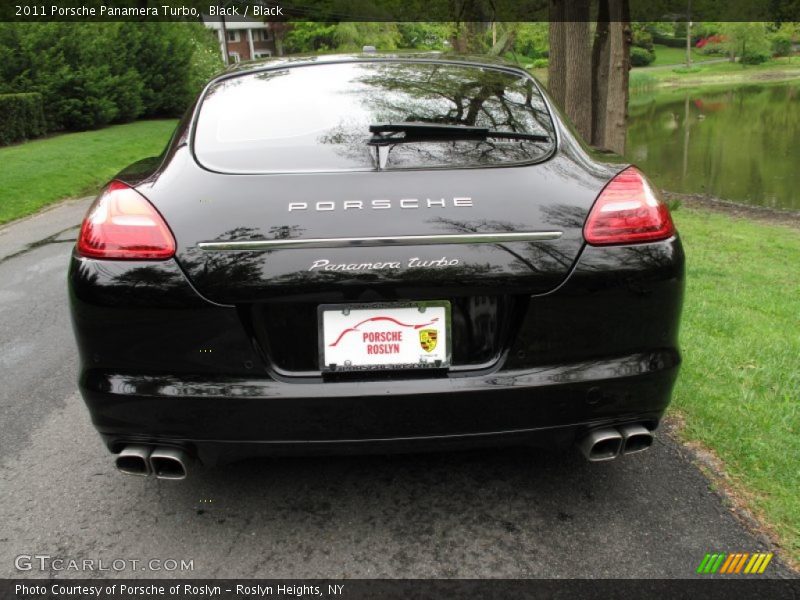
207,283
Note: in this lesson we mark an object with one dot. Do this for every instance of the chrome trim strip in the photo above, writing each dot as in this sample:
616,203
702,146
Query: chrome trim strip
366,242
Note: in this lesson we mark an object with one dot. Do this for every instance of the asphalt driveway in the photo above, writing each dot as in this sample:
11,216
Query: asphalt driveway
505,513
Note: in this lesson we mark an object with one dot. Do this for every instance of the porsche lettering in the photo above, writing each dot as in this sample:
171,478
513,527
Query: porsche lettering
383,204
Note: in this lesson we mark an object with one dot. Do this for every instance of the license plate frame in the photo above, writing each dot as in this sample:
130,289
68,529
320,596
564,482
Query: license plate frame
413,317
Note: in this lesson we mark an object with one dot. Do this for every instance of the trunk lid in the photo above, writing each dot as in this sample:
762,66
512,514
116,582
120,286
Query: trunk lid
201,207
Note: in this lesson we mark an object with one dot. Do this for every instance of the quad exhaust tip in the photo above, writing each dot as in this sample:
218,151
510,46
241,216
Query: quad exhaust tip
608,443
163,462
601,444
134,460
635,438
169,463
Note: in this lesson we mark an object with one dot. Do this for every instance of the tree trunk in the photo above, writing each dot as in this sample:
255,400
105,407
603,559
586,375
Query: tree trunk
279,31
590,82
616,109
468,37
601,60
557,65
578,55
506,42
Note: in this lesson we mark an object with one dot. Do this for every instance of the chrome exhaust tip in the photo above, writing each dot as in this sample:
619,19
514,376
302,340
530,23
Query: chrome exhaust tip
169,463
635,438
134,460
601,444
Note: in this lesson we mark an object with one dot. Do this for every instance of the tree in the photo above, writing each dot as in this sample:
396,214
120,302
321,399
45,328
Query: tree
614,110
467,37
569,70
352,36
426,36
309,36
748,41
279,30
557,66
506,40
591,82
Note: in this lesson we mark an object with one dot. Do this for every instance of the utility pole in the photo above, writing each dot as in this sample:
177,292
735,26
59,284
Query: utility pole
689,34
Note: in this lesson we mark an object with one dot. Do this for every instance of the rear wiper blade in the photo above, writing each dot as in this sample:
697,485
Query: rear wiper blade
385,134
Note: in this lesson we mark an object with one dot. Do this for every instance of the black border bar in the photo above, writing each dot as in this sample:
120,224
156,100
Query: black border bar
382,10
741,588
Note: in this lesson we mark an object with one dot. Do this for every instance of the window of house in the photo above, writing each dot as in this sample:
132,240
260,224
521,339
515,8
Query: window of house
234,57
261,35
233,36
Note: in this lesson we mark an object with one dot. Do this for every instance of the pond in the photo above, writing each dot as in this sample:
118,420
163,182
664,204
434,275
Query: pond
740,144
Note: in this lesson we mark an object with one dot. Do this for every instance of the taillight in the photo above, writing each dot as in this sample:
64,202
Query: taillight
122,224
628,211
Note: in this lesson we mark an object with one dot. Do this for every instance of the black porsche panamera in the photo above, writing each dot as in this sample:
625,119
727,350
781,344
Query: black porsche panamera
374,253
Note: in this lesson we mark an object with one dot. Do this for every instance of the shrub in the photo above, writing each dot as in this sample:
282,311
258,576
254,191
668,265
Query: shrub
308,36
425,36
672,42
781,43
92,74
162,56
643,39
21,117
755,57
532,40
713,44
540,63
641,57
713,49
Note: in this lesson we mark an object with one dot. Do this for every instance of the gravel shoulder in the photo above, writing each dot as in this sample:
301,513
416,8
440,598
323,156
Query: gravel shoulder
763,214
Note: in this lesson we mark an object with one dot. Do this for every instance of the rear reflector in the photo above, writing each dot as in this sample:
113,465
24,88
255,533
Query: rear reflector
122,224
628,211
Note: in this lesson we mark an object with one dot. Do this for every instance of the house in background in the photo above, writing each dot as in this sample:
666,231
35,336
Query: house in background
248,39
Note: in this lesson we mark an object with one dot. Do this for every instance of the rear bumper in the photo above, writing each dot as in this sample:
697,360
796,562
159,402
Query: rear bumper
233,417
163,365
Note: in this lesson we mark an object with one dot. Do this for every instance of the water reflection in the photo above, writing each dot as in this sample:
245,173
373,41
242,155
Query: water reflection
737,144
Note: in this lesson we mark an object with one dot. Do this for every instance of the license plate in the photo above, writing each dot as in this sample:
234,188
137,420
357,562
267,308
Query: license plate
384,336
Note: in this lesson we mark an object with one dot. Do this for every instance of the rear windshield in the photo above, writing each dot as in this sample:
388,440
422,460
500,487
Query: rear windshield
316,118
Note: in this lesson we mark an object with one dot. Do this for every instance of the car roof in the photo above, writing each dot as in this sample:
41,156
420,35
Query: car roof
253,66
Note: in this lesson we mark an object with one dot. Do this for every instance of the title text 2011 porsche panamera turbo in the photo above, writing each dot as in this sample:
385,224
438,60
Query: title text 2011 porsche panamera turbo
374,253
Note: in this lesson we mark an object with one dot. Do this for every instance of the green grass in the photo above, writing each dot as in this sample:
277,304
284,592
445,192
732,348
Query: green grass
726,72
40,172
666,55
739,388
718,73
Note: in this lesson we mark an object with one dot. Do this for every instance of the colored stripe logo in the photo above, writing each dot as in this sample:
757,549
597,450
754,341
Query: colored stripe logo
737,563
